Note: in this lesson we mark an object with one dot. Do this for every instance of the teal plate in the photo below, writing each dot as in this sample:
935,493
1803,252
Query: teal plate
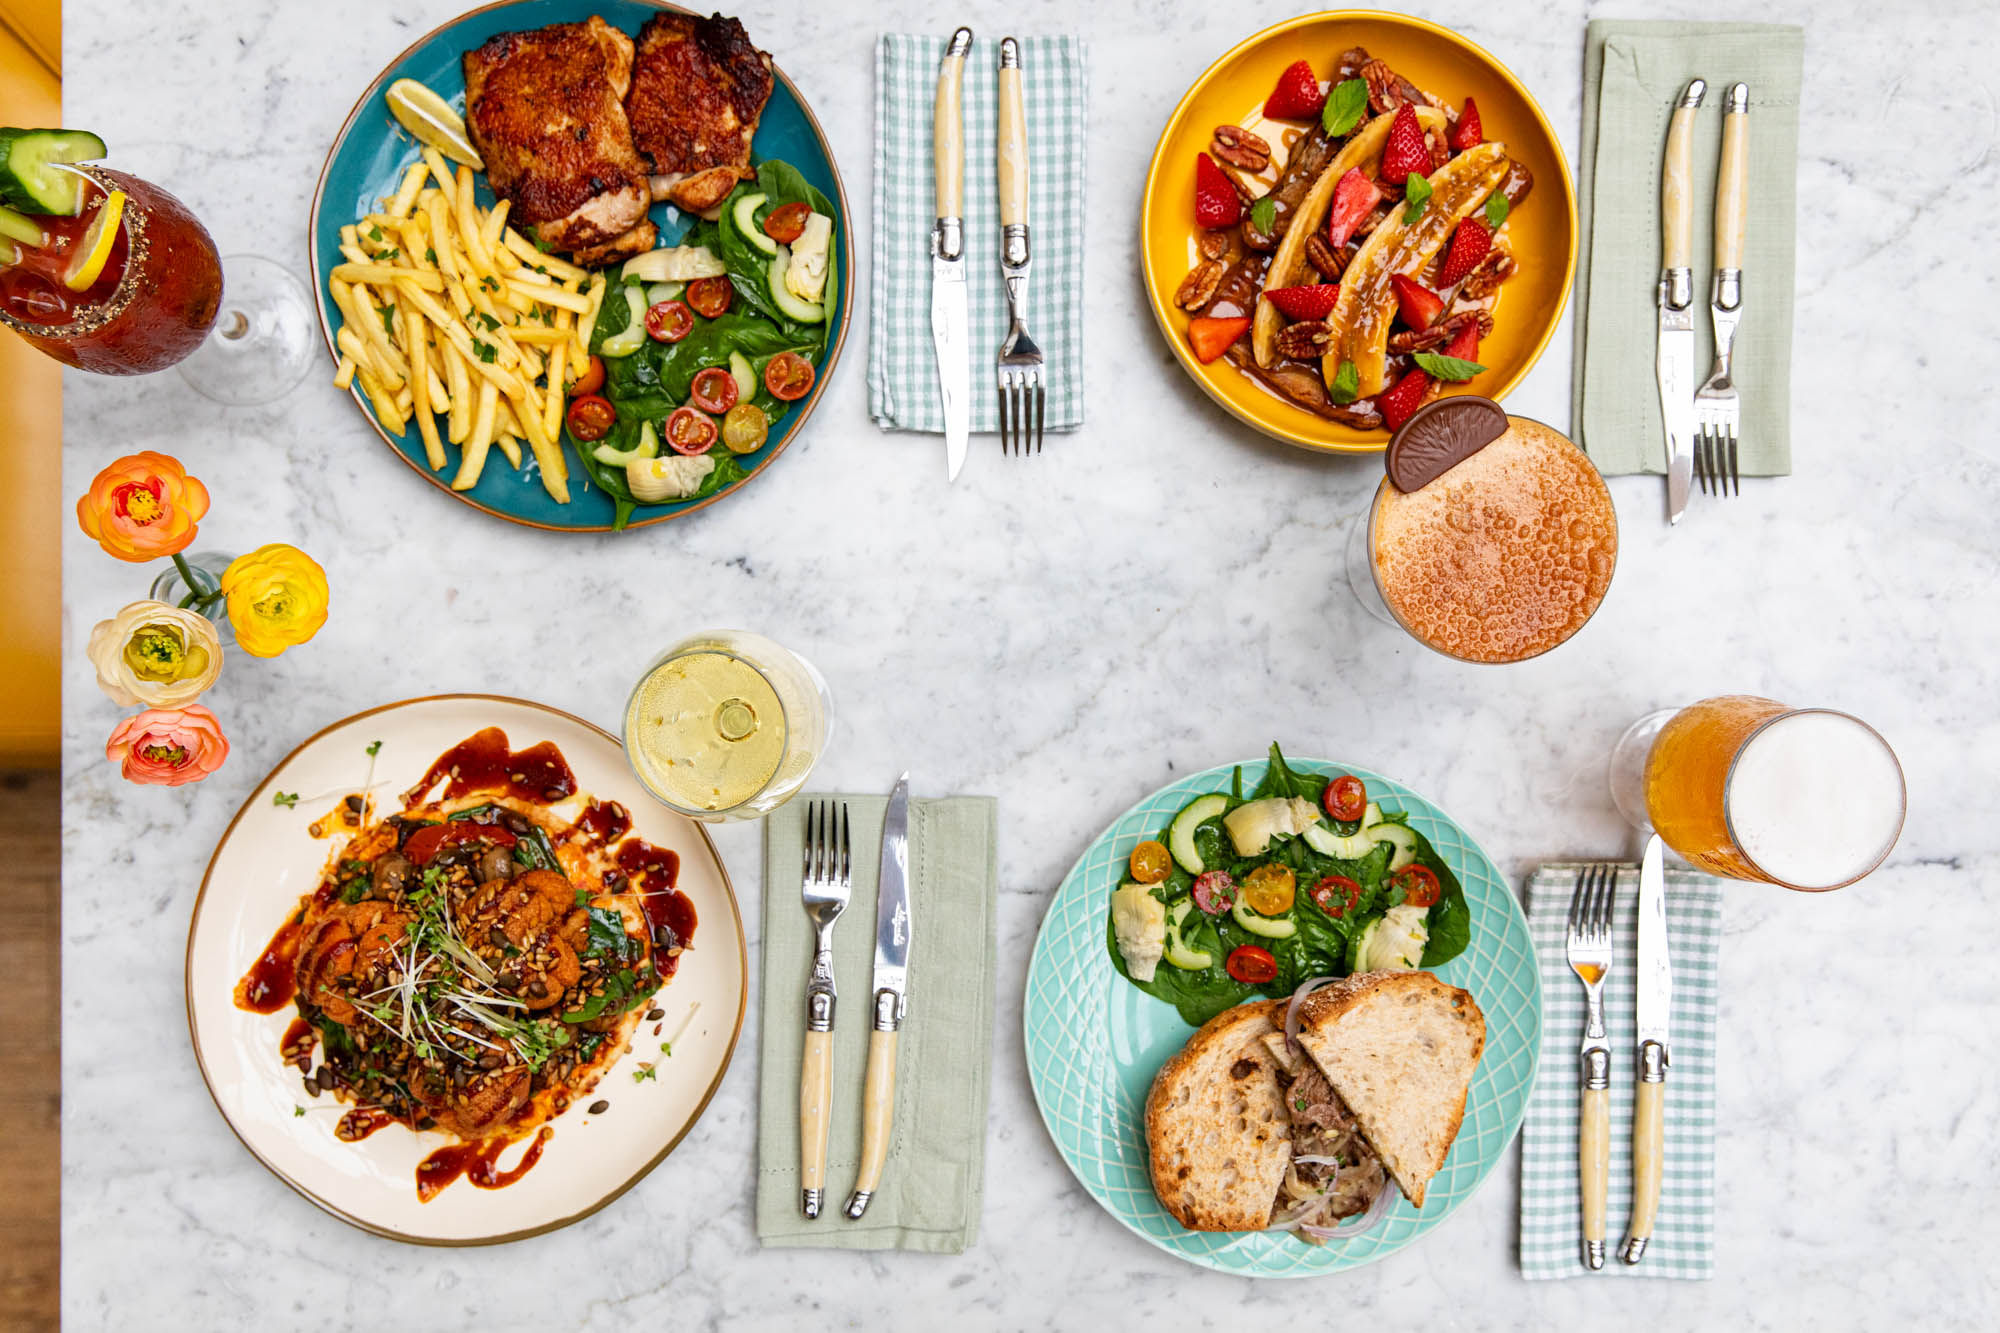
367,163
1095,1040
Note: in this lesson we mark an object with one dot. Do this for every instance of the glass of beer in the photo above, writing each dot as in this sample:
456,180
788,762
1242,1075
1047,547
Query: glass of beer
1748,788
727,725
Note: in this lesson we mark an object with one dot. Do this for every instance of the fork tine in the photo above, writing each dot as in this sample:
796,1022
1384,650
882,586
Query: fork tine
811,841
1607,885
1000,394
1576,901
1041,399
1700,462
846,848
1735,477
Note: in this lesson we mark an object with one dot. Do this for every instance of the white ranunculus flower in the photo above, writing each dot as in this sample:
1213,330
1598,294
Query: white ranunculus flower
156,655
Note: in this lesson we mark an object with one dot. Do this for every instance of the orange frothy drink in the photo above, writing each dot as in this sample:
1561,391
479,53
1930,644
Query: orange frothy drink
1505,554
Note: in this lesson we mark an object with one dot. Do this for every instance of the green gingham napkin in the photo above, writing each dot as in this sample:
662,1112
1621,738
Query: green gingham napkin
930,1192
902,360
1683,1243
1633,73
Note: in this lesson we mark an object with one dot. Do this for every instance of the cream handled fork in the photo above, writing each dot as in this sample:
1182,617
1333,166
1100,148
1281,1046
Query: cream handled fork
828,879
1587,945
1717,406
1018,376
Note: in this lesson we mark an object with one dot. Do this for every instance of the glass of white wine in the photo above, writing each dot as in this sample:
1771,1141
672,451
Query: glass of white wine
727,725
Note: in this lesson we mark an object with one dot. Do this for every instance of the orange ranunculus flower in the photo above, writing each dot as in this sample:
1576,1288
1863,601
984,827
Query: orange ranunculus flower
142,507
277,598
167,747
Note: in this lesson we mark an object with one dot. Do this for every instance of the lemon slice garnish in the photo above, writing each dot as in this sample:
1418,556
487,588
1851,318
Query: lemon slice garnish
423,113
86,266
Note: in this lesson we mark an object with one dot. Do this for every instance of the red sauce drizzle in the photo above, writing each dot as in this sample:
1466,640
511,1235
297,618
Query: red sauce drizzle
359,1123
297,1045
661,867
483,762
478,1161
604,822
670,911
269,984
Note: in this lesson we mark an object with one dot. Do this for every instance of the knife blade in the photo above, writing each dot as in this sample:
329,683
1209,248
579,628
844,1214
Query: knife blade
950,331
1654,977
1674,360
1653,1005
892,964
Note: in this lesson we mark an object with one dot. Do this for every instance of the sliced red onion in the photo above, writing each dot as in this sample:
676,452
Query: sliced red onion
1315,1161
1306,988
1367,1218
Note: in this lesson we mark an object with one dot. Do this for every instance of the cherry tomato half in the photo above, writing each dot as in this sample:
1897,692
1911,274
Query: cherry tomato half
1149,862
787,222
592,378
424,845
1419,885
788,376
591,417
1251,965
745,429
669,321
1214,892
1270,889
1336,895
710,296
690,432
1346,798
713,390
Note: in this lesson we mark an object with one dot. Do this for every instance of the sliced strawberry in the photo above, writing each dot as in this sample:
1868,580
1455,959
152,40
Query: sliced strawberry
1211,337
1397,402
1215,201
1406,151
1354,198
1469,245
1314,302
1418,305
1298,95
1464,345
1467,133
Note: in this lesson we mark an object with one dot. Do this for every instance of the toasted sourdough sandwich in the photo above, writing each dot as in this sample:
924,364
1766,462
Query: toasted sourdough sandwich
1399,1048
1217,1138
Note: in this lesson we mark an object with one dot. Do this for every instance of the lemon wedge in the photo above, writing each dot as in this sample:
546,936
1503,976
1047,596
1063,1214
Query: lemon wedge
86,266
423,113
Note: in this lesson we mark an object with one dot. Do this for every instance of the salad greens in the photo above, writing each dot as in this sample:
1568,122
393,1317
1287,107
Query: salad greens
653,381
1328,933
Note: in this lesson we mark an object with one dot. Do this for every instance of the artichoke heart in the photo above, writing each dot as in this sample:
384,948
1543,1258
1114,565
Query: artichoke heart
1288,266
1367,307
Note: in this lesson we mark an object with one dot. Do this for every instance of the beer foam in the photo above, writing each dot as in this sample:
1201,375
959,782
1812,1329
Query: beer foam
1815,799
1504,556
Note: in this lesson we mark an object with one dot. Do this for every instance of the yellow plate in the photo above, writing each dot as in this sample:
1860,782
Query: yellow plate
1233,89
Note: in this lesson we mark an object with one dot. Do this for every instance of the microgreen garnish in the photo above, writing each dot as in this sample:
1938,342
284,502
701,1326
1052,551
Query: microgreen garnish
287,799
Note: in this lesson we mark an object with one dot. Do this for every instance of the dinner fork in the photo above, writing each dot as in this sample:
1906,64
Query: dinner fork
1717,408
1587,945
828,879
1018,376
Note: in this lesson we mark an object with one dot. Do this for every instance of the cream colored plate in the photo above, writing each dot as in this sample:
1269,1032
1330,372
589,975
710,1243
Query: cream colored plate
267,859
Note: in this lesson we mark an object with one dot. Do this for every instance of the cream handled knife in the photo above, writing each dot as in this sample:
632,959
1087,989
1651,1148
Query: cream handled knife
950,332
892,971
1675,359
1654,979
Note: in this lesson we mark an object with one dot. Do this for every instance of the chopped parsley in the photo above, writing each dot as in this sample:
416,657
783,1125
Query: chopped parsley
430,256
388,314
488,320
487,351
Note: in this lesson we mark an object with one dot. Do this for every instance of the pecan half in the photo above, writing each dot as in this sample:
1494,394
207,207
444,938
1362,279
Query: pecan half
1440,150
1484,280
1239,147
1331,263
1199,285
1440,333
1307,340
1248,189
1214,244
1385,90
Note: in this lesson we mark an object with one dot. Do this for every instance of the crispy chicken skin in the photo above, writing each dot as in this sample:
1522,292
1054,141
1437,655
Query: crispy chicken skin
545,109
698,90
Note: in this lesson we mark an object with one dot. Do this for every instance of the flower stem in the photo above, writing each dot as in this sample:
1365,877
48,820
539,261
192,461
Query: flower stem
203,594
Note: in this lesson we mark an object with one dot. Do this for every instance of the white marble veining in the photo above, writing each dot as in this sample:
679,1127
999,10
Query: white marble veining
1156,593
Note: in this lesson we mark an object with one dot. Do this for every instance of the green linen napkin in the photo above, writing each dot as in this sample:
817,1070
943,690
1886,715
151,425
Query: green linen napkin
1683,1243
930,1193
1633,73
902,360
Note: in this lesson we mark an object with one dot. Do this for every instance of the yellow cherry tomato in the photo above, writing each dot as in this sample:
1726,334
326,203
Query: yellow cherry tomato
1269,890
1149,862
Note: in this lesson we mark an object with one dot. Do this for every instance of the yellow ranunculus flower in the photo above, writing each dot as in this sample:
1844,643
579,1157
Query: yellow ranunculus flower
155,654
277,598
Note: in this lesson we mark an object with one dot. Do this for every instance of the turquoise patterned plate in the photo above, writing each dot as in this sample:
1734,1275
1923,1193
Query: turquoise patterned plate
1094,1040
367,162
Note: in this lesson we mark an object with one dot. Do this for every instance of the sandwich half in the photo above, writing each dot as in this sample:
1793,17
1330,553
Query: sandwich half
1217,1138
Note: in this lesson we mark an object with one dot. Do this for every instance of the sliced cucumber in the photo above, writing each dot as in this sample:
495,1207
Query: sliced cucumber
647,447
1357,945
633,336
1180,834
1270,927
1402,840
1371,816
1178,953
745,217
31,174
745,376
804,312
1328,843
663,291
19,227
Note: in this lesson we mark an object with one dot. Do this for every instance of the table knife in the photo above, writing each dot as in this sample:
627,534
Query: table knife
892,970
1654,979
950,331
1675,359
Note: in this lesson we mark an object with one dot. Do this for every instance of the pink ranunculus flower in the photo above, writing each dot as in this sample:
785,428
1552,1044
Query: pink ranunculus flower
168,746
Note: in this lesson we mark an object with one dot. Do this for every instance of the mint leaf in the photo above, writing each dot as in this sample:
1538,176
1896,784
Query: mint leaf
1344,106
1346,384
1496,211
1448,367
1417,194
1264,215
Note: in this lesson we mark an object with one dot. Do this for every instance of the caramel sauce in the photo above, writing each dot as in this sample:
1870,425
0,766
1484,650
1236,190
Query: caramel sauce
479,1162
269,984
483,762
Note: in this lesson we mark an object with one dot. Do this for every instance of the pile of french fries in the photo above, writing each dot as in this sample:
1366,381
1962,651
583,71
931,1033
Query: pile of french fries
450,313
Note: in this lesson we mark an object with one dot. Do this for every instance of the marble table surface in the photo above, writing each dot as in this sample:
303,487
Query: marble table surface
1159,592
